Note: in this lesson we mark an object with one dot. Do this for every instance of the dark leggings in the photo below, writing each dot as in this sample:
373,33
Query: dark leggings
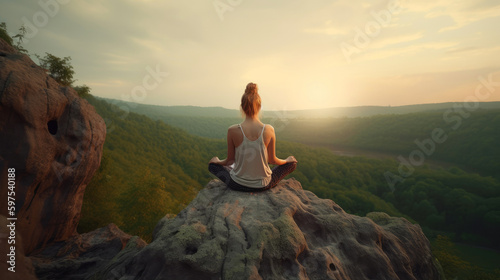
279,172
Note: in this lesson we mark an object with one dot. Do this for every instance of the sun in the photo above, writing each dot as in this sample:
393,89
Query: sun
320,95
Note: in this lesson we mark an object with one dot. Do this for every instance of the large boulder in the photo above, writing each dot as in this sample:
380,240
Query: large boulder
283,233
53,140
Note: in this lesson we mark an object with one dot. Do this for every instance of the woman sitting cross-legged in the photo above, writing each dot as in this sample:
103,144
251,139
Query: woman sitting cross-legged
251,147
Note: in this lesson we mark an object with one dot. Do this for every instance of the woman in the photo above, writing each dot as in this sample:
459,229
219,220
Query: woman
251,146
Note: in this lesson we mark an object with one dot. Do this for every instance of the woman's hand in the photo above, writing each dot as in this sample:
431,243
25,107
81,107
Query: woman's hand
291,159
215,160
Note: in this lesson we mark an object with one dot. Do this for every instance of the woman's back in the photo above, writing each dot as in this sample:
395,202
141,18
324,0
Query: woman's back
252,130
251,166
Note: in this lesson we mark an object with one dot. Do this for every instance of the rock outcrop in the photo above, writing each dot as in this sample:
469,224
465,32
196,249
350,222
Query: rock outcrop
53,139
284,233
81,256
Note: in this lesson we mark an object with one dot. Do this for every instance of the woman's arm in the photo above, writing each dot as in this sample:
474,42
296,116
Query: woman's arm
230,150
271,150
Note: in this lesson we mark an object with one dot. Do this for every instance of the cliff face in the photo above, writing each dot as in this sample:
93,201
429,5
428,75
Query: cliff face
284,233
80,256
53,140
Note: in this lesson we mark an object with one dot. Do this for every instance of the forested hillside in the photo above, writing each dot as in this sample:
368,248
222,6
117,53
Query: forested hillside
334,112
148,169
471,143
146,160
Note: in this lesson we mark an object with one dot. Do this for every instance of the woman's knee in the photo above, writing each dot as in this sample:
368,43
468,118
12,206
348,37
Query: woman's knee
212,167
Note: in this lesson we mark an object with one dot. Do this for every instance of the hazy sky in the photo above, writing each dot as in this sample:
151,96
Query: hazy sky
303,54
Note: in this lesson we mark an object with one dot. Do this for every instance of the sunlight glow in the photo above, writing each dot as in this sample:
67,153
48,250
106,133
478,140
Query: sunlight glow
417,55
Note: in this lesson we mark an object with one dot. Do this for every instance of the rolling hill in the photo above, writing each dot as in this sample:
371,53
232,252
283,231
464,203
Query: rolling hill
471,137
152,168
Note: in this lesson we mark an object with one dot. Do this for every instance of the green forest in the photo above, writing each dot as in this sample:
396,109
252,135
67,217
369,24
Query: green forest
471,140
471,136
150,169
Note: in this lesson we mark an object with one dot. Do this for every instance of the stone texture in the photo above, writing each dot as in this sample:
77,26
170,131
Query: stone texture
284,233
81,256
54,141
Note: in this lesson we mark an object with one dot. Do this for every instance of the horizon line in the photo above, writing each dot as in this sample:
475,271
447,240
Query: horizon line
308,109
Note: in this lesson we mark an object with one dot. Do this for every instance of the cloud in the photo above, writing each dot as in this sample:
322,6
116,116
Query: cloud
462,13
462,50
289,47
396,40
328,28
406,52
428,87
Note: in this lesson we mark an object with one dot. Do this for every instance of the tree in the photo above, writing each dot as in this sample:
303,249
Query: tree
59,68
446,252
4,34
145,203
83,91
99,206
20,37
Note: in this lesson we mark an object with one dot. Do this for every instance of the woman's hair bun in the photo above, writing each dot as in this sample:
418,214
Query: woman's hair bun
250,101
251,88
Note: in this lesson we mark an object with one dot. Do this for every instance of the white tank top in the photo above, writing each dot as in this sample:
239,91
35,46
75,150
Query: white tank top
250,162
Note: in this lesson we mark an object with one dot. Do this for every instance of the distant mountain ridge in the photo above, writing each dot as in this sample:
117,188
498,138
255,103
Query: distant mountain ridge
471,145
334,112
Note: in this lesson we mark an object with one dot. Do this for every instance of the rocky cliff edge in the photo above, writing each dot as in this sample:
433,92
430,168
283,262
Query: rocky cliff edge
284,233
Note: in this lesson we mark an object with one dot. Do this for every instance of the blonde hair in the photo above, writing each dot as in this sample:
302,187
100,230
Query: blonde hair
250,101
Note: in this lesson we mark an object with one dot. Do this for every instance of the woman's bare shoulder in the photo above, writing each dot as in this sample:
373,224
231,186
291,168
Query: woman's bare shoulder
269,131
233,129
269,128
